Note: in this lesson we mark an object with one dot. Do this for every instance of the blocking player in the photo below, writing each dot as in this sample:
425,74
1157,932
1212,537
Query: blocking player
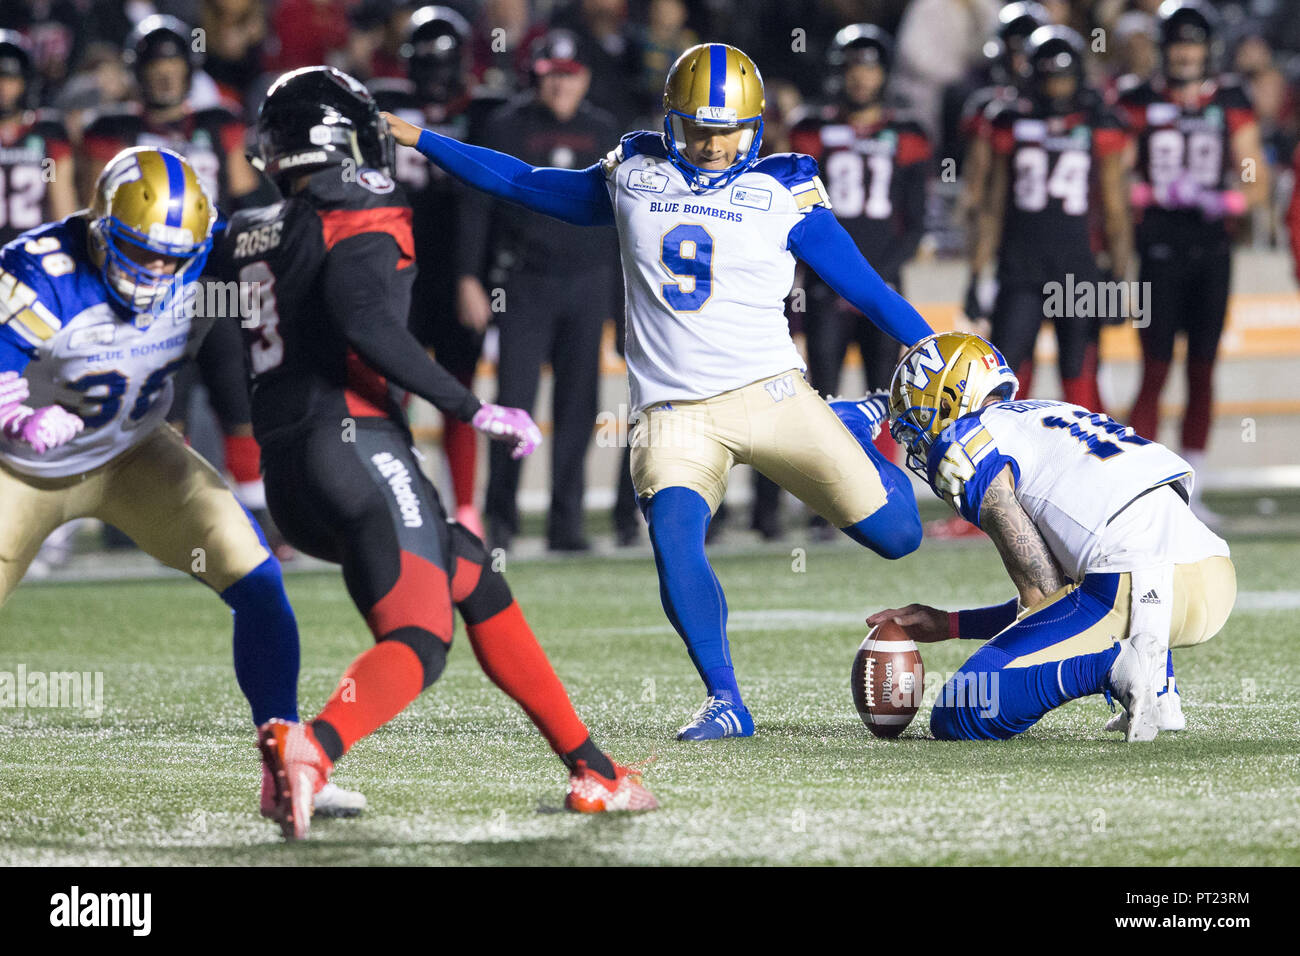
449,307
709,234
36,171
1047,148
1198,164
159,52
876,163
91,335
1110,565
334,264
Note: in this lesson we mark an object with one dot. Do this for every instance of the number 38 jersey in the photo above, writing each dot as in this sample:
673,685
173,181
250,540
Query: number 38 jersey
706,275
110,367
1045,230
1082,478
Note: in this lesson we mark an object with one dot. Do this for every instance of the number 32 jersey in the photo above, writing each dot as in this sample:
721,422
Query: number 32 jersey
1082,478
111,368
706,275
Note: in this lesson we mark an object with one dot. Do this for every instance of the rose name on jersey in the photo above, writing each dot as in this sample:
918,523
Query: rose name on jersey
1052,134
884,142
1210,120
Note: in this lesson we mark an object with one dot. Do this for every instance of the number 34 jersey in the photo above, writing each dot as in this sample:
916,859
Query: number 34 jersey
110,367
1083,479
706,274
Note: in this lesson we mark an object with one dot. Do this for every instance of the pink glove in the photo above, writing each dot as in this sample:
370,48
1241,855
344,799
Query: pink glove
509,424
13,389
1217,205
45,428
1141,195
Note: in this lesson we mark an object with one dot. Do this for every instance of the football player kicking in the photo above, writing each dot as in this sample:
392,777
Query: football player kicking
334,265
1111,566
91,334
709,234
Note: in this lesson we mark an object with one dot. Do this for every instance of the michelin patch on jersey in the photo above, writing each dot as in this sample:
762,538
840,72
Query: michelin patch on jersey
111,368
1075,471
706,273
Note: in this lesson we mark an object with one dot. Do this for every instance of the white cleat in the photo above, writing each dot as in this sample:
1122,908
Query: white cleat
1169,715
332,800
1133,679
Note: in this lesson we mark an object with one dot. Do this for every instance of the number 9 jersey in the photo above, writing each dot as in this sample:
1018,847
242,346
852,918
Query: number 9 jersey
1082,477
706,273
112,368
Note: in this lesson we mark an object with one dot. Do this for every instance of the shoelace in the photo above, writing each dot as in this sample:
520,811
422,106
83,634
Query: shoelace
710,710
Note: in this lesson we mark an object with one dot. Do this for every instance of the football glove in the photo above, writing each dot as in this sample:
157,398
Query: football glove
511,425
44,428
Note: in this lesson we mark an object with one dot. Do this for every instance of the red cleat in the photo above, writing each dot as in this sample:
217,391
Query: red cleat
589,792
294,768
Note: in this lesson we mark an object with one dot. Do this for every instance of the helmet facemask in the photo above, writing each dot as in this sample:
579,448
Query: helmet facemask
134,284
700,178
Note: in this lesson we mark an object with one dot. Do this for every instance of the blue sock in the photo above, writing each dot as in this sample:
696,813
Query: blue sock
265,643
988,701
1169,675
894,530
690,591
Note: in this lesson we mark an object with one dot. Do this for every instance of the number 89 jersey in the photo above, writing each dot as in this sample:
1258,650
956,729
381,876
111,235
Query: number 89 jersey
1074,471
111,368
706,274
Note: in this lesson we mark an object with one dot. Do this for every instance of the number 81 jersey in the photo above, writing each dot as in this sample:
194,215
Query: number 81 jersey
108,366
1074,470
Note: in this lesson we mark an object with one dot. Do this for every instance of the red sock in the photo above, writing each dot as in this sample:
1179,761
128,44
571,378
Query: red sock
1078,391
375,688
1145,416
1200,400
510,655
242,458
886,445
460,443
1025,375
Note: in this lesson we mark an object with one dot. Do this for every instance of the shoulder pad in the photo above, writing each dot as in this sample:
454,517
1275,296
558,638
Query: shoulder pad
797,173
1232,94
962,463
118,122
641,143
215,116
30,269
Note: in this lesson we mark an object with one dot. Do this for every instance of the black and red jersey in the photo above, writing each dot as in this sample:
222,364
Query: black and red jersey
204,137
1175,141
326,278
876,178
1051,159
27,154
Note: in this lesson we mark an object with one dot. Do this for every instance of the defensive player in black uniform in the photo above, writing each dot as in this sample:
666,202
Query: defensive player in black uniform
36,168
334,265
160,53
875,163
1198,163
1048,148
449,308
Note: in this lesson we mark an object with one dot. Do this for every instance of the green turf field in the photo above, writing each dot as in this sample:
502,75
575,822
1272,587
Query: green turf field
168,774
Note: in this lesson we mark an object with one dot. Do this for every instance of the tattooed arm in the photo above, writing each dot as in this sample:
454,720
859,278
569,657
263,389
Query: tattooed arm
1025,554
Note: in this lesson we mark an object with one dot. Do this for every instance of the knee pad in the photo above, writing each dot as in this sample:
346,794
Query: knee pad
431,651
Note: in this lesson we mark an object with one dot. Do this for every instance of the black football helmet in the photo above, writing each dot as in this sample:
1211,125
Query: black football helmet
316,117
857,43
1016,21
1051,52
159,37
1187,21
16,60
435,53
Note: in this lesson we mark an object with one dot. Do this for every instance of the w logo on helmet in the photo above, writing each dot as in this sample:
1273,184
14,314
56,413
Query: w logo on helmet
925,360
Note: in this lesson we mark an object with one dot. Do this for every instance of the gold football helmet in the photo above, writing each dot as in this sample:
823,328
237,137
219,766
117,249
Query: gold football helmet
713,84
149,206
940,379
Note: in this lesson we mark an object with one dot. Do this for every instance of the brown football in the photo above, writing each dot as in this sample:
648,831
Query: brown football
888,680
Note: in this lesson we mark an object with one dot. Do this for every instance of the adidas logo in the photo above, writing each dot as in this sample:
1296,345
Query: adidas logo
1150,597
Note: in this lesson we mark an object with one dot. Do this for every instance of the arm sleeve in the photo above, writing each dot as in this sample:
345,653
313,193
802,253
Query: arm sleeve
357,282
577,196
981,623
819,240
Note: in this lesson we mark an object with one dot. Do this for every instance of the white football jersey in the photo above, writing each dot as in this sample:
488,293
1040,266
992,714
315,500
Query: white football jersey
114,372
706,274
1082,478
